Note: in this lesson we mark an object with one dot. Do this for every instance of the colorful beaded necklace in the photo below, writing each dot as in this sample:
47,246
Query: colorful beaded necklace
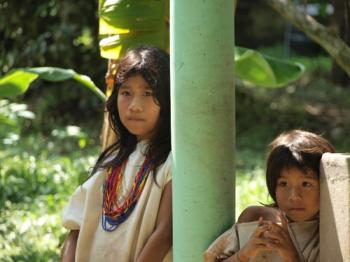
113,213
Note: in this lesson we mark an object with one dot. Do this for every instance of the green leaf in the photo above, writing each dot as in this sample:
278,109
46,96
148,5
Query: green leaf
52,74
17,81
265,71
133,15
126,24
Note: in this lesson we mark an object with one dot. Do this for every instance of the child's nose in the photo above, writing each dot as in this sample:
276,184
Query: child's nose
294,194
136,104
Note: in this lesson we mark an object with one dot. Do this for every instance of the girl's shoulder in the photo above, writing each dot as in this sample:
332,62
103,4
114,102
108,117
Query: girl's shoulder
164,171
169,160
168,163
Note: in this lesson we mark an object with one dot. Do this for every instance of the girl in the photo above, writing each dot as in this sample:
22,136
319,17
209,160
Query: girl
289,231
123,211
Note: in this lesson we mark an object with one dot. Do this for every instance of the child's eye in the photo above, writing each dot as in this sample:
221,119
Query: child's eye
306,184
125,93
149,93
282,183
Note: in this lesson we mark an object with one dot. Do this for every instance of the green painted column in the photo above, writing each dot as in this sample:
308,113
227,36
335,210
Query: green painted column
203,123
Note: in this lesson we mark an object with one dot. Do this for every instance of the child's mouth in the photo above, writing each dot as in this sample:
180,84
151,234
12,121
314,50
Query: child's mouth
296,209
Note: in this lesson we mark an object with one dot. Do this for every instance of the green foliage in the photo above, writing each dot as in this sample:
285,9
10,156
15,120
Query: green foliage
41,33
265,71
36,178
127,23
62,33
18,80
11,117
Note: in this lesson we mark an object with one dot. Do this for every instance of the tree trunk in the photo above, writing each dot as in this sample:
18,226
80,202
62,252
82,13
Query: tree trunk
324,36
341,23
107,135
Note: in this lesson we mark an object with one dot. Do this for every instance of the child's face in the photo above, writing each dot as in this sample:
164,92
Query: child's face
298,194
138,111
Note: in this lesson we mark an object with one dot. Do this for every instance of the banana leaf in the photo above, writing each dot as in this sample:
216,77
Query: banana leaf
18,80
265,71
127,23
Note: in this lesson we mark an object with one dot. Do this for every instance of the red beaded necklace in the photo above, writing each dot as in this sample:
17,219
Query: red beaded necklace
113,213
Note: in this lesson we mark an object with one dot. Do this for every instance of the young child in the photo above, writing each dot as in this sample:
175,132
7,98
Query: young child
287,230
123,211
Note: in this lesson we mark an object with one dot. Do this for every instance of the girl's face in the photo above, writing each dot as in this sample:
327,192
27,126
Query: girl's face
298,194
137,108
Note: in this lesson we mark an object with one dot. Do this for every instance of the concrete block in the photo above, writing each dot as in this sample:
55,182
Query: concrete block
335,208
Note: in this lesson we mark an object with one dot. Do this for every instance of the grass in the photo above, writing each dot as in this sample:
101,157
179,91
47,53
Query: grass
39,170
36,176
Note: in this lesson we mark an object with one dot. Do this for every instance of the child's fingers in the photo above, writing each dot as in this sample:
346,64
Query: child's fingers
274,235
276,231
261,243
283,220
260,229
273,244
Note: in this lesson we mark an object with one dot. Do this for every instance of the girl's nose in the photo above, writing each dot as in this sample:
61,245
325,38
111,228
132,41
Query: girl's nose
294,194
135,105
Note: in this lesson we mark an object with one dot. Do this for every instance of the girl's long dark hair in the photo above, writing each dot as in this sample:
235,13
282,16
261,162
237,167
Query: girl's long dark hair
153,65
296,148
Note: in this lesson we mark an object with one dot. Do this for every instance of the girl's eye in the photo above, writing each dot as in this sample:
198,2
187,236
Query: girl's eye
306,184
125,93
282,183
149,93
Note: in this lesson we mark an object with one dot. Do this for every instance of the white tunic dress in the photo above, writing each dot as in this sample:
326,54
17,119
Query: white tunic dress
126,242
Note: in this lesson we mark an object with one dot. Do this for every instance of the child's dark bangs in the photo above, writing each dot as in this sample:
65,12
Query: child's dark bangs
149,77
284,158
311,162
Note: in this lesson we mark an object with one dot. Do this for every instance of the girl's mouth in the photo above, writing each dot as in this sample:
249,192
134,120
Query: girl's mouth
135,119
296,209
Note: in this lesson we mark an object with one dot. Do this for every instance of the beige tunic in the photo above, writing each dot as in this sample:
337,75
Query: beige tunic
305,236
125,243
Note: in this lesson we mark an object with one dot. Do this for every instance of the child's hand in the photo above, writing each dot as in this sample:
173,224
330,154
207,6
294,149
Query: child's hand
256,243
279,239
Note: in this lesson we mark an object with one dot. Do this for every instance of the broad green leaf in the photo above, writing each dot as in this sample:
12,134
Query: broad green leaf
133,15
52,74
126,24
265,71
110,46
17,81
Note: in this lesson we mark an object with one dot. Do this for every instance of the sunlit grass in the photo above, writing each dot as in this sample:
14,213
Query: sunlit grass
250,190
36,184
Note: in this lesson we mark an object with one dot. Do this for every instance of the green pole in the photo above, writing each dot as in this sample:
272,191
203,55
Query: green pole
203,123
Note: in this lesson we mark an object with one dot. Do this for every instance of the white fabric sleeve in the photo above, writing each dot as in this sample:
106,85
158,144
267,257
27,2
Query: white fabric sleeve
73,213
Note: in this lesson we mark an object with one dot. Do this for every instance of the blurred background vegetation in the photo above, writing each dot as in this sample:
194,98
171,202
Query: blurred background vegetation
50,144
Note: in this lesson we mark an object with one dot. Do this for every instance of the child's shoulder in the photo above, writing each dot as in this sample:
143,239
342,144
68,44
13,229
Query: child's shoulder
168,163
253,213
